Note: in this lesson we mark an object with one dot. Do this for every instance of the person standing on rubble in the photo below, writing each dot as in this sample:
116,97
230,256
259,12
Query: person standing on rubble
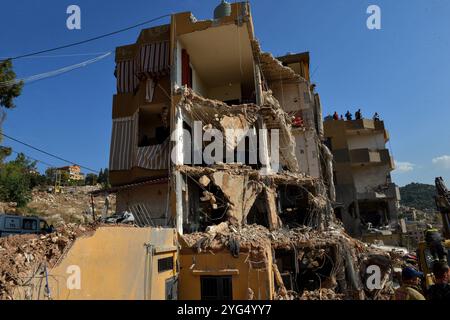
434,241
358,115
440,291
410,289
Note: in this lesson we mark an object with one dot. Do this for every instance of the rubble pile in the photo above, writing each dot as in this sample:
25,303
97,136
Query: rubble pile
314,251
321,294
73,205
26,256
8,207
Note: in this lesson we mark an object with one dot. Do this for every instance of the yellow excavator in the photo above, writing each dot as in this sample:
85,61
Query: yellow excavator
424,256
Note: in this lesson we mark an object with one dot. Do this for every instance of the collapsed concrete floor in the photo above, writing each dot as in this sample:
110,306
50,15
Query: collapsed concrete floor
307,264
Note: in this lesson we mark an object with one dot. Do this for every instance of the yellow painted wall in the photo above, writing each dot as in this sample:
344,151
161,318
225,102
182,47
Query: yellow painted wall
193,266
114,265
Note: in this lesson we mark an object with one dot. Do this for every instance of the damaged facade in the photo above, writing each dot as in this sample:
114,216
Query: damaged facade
251,228
369,199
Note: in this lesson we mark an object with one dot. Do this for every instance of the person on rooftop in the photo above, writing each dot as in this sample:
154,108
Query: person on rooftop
376,116
335,116
358,115
348,116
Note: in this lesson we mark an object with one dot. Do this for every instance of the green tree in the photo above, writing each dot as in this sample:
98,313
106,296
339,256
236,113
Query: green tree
9,88
16,180
91,179
101,177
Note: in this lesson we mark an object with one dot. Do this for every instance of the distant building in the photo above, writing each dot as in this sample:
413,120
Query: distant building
74,172
362,163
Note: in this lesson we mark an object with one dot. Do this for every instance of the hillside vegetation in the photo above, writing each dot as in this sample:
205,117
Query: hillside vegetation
418,195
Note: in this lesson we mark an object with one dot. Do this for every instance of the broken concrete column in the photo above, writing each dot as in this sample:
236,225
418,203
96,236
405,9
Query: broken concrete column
252,191
274,220
232,187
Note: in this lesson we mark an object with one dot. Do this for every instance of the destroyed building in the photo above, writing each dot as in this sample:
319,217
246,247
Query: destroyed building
249,216
215,72
369,199
255,222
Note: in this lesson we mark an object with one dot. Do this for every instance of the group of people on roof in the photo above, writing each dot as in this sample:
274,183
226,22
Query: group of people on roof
349,116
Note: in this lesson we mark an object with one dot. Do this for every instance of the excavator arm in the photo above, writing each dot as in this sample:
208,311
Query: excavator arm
443,205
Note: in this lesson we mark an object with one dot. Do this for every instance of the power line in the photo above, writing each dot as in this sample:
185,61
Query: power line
64,55
91,39
47,153
53,73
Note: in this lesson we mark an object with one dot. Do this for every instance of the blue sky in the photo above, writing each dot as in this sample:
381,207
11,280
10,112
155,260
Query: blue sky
401,71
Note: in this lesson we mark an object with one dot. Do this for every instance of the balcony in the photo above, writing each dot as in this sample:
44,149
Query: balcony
388,191
364,157
355,127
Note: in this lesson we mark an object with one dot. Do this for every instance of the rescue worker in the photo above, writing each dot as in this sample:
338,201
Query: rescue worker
410,289
376,116
440,291
434,241
358,115
348,116
335,116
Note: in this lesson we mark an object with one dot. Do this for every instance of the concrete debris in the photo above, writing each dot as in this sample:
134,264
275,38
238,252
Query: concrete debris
321,294
204,181
73,205
328,264
276,118
273,69
8,207
217,113
26,256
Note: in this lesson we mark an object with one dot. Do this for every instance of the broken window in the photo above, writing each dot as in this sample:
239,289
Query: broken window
151,131
374,212
294,203
216,288
29,224
206,206
165,264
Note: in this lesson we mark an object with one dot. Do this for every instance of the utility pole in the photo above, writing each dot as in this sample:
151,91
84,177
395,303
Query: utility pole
57,181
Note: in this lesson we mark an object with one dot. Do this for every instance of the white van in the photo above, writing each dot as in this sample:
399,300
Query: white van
15,225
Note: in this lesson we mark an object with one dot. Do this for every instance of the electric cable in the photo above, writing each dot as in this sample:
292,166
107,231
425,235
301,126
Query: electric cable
47,153
90,39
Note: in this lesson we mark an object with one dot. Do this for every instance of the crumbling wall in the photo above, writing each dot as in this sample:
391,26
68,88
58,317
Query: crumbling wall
241,186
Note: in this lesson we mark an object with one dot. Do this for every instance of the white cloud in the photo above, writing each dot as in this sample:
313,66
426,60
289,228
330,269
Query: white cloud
402,167
442,162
